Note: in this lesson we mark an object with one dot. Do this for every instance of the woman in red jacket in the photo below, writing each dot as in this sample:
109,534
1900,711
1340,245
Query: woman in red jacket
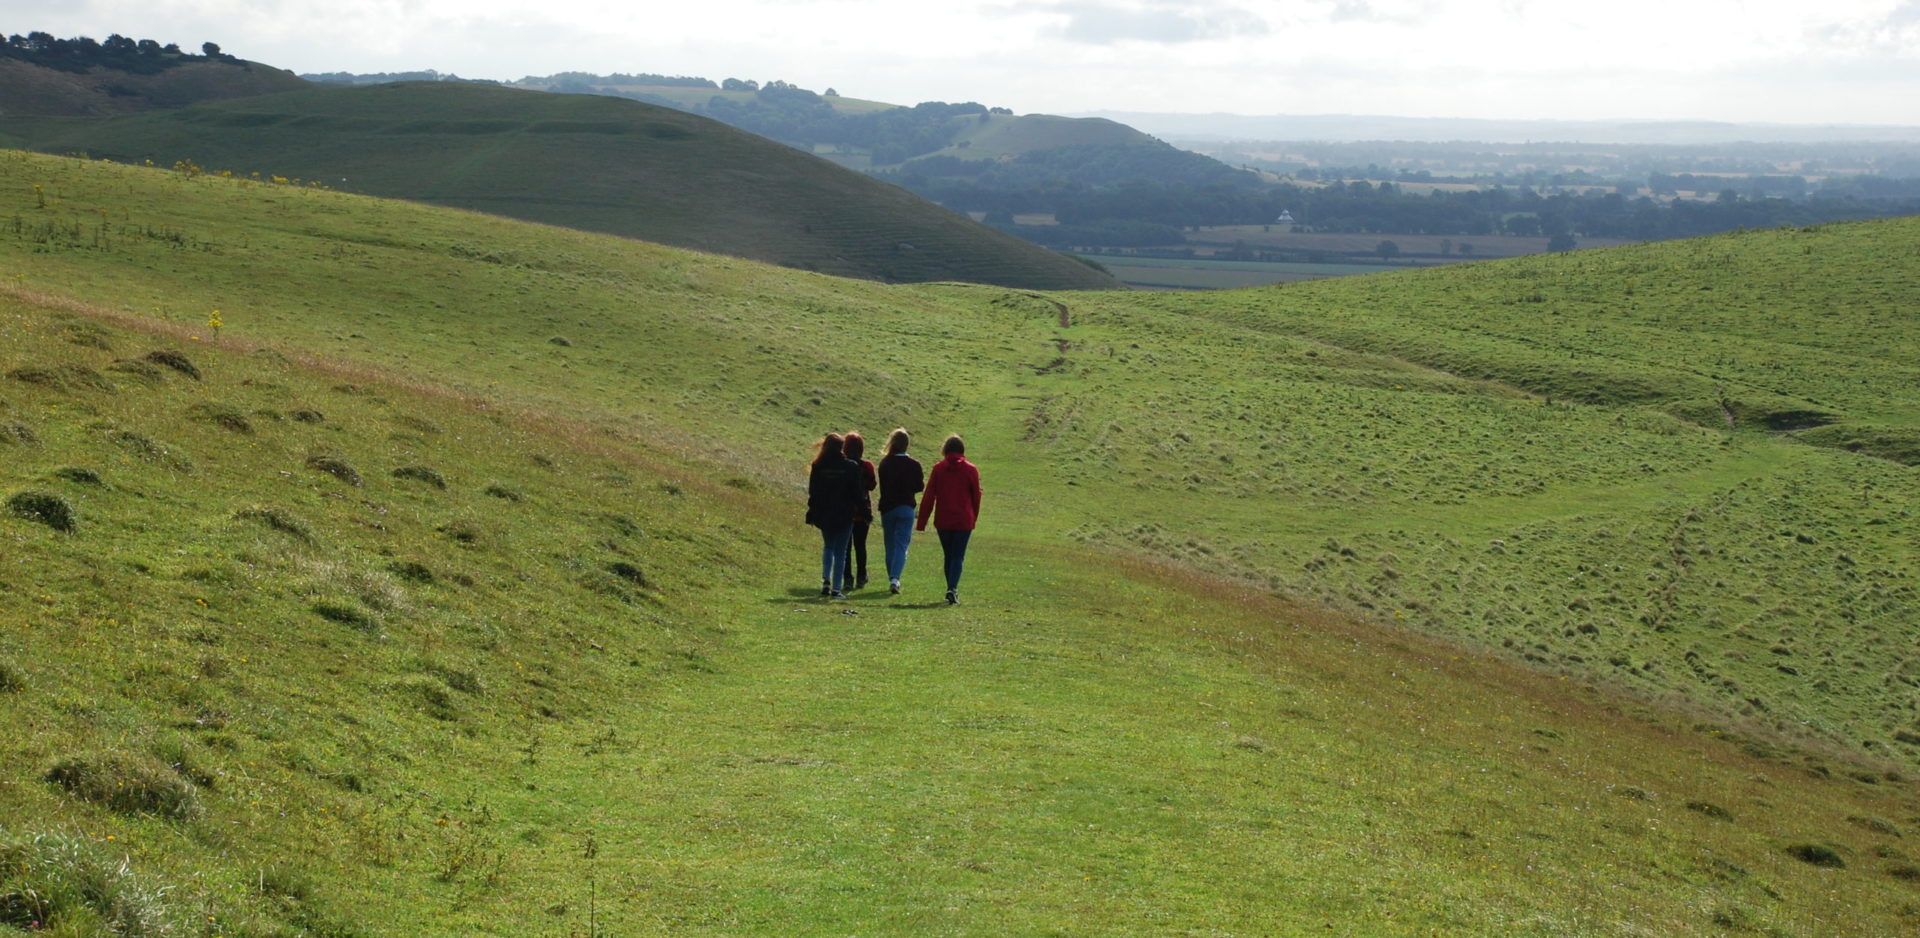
953,501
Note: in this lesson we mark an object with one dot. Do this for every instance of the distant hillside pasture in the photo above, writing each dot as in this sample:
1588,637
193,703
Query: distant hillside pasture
374,568
587,162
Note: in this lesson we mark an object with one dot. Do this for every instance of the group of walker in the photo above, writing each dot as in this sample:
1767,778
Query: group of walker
838,505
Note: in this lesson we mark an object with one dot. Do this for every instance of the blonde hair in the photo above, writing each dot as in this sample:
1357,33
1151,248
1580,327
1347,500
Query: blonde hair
897,441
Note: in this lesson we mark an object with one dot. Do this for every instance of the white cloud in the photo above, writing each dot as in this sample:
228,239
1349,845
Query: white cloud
1732,59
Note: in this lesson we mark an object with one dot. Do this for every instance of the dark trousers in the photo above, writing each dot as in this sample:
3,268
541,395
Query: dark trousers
857,557
953,547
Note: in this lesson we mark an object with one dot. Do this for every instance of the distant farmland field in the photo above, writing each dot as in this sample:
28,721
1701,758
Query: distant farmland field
1231,256
1279,239
1199,274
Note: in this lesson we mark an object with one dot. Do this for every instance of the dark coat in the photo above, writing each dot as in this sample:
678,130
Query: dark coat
900,479
835,493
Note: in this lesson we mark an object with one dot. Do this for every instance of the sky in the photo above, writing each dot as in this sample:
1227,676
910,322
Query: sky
1830,62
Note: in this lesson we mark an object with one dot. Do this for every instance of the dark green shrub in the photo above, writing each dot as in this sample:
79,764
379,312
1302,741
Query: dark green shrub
128,783
45,507
309,416
502,492
627,572
174,360
12,679
421,474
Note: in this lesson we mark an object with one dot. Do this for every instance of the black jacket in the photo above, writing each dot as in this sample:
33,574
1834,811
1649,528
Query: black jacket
835,492
900,479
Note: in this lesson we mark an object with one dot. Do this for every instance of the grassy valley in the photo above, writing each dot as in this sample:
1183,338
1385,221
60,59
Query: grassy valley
455,584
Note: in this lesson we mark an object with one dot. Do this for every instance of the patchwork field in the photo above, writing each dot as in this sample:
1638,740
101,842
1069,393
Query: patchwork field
454,584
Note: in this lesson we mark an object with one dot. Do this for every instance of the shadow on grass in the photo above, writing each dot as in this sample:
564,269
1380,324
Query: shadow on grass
860,599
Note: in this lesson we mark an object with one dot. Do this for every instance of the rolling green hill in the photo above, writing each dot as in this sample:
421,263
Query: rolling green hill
588,162
455,585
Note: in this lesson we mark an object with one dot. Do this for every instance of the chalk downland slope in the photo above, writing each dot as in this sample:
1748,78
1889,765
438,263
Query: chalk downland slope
456,583
589,162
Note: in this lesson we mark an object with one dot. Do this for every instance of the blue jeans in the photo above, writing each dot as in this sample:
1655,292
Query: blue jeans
953,544
896,532
833,554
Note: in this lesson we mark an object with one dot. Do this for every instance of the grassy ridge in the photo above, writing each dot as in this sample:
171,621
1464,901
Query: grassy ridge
588,162
1093,743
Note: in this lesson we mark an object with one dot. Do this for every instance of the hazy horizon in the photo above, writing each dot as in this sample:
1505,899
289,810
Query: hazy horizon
1853,62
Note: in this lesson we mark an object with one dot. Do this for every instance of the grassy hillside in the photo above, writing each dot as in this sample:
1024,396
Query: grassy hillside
585,687
588,162
1002,135
31,90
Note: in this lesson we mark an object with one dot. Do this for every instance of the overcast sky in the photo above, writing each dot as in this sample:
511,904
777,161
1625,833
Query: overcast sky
1834,61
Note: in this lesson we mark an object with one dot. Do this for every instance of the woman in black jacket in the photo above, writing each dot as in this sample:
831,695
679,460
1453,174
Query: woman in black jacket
835,492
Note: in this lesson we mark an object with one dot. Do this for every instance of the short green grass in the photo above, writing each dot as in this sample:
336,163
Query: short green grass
614,705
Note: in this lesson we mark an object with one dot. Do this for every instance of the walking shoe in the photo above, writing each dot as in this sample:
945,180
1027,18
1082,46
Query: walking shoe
825,590
839,595
953,597
894,586
860,584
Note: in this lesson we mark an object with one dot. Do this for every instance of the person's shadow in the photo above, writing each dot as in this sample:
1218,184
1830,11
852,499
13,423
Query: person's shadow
864,597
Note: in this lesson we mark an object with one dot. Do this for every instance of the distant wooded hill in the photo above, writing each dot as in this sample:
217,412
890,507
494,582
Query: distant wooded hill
588,162
44,76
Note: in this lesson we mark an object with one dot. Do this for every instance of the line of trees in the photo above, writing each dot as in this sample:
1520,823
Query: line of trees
118,52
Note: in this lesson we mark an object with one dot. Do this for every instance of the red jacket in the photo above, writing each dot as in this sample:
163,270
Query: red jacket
953,495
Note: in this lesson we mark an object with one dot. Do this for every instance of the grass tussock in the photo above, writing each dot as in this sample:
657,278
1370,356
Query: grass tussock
43,507
13,679
79,475
66,377
129,783
426,474
176,360
224,416
15,432
277,519
334,466
63,885
150,450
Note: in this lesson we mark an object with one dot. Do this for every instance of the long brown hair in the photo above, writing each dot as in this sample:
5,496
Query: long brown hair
897,441
831,446
856,445
953,445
